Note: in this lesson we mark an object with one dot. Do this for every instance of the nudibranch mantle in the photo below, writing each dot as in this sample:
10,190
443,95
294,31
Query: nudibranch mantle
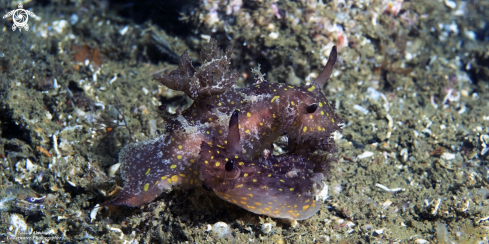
201,141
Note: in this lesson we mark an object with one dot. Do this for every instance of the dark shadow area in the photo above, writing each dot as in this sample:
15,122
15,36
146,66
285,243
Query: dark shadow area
165,14
11,130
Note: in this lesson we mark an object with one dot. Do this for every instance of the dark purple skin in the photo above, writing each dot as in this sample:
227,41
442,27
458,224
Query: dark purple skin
266,111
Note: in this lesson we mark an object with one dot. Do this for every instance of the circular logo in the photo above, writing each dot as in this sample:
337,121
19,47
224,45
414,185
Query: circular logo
20,18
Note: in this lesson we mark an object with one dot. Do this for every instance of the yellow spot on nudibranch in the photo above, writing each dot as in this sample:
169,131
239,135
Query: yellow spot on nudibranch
257,204
245,175
291,189
275,97
304,129
179,146
210,119
146,186
320,104
254,180
310,116
147,171
292,103
196,172
220,131
206,162
179,156
311,88
164,177
247,131
217,164
207,132
192,161
174,178
241,163
173,166
248,114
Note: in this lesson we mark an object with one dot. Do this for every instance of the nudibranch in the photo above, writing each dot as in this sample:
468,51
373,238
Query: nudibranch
207,143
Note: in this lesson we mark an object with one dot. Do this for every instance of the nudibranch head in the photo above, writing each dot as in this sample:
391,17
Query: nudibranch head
277,186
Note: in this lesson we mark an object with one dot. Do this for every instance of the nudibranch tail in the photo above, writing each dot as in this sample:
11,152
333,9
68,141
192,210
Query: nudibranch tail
150,167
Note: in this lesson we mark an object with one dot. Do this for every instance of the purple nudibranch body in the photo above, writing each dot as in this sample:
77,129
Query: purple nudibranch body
224,140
